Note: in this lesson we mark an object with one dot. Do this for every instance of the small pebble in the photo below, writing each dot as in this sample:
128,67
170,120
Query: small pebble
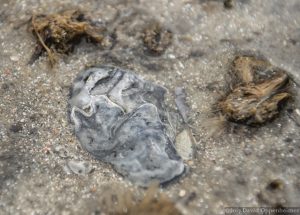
190,163
182,193
248,150
79,167
14,58
228,4
62,152
184,144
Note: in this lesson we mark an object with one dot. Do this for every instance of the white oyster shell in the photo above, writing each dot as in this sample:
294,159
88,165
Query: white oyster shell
120,119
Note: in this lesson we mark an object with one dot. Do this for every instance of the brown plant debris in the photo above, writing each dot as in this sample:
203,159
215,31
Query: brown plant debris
156,38
258,94
152,205
124,202
274,194
249,69
228,4
59,33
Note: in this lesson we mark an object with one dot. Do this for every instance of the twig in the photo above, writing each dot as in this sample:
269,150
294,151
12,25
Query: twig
50,54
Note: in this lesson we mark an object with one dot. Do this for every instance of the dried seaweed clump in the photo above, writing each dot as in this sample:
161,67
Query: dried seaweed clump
156,38
59,33
257,96
116,202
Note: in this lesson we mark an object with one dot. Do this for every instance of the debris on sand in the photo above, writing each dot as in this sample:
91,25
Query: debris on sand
247,69
121,119
117,201
16,127
181,103
78,167
62,152
260,91
152,205
59,33
185,144
228,4
274,194
156,38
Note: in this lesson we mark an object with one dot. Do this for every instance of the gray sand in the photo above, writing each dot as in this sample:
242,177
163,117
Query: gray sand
234,169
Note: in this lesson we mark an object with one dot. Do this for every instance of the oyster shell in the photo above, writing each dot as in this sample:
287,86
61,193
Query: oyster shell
120,118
